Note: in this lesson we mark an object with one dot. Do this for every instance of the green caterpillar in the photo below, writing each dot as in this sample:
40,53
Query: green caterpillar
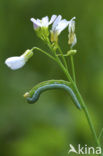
33,95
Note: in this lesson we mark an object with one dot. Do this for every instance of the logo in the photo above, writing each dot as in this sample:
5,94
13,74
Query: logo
84,149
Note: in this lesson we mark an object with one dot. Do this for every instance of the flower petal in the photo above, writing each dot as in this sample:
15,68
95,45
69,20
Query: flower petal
36,23
72,36
15,62
74,42
45,21
61,26
72,24
58,19
52,19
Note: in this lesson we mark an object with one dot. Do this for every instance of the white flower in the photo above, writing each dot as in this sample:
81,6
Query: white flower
72,35
58,26
17,62
44,22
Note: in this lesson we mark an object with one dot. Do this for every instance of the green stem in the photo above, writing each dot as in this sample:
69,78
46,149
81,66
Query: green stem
73,69
84,108
65,63
101,133
88,118
66,72
56,57
59,62
44,52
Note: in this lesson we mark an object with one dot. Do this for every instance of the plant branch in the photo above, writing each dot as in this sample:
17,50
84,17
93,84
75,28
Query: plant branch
64,60
66,72
44,52
73,69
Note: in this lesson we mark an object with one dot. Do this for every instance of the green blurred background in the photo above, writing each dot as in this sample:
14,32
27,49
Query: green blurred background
50,125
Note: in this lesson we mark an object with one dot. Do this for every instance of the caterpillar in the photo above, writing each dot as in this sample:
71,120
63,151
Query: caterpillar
33,95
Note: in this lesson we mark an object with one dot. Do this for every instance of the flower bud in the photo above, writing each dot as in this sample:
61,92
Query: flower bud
17,62
72,36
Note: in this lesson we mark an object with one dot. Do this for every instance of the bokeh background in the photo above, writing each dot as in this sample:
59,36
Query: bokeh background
50,125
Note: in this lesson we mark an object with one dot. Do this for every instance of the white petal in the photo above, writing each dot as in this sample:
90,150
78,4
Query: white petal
61,26
45,21
74,42
58,19
36,23
52,19
15,62
72,25
38,20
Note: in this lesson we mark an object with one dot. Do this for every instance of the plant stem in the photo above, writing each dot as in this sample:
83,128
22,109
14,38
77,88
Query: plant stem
88,118
101,133
66,72
73,69
44,52
64,60
84,108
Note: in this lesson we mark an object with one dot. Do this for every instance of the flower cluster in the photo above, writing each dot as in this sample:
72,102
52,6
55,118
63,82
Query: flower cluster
41,28
58,26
